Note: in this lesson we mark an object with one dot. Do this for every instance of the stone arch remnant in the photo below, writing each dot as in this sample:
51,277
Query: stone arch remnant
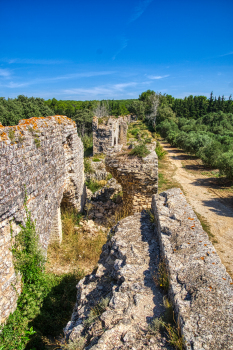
45,156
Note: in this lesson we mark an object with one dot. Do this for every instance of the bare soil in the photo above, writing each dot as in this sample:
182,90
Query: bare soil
210,196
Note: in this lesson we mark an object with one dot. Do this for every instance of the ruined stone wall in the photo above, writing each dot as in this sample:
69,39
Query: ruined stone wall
137,176
45,157
200,289
110,133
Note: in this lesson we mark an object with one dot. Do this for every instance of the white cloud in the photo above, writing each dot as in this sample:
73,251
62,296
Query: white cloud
226,54
5,73
12,84
158,76
139,9
124,44
33,61
105,90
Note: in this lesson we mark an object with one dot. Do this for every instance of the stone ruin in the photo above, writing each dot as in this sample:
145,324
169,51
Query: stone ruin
43,156
137,176
109,133
124,284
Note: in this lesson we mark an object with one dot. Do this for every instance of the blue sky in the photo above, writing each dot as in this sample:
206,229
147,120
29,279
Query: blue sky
84,50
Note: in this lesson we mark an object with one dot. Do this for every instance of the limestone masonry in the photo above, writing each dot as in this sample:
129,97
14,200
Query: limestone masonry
123,287
45,157
201,290
137,176
109,133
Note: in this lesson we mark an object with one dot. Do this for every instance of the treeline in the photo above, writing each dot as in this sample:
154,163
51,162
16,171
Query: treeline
200,126
22,107
194,107
70,107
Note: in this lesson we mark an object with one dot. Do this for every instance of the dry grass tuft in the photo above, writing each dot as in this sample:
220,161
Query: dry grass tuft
78,250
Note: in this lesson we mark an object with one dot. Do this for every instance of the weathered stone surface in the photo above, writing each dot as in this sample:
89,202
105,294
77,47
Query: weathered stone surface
99,172
110,134
124,276
45,156
200,288
137,176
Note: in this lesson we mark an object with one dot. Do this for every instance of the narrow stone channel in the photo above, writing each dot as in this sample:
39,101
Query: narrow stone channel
124,278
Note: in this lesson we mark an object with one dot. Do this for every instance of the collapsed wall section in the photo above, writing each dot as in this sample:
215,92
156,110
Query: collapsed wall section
137,176
109,133
43,156
200,288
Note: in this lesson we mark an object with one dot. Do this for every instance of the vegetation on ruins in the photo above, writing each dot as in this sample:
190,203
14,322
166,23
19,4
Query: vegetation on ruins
94,185
46,300
160,151
140,151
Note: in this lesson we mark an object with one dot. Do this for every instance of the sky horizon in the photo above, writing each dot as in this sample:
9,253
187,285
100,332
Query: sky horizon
74,50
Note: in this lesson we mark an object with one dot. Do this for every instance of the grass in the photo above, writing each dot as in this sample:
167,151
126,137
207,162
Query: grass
161,279
87,166
78,344
167,324
94,185
140,151
109,177
46,301
206,227
55,312
160,151
97,311
77,248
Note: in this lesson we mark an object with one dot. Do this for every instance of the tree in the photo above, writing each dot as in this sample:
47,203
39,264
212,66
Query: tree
102,109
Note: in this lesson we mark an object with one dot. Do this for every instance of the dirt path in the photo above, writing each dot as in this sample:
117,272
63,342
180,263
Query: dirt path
219,214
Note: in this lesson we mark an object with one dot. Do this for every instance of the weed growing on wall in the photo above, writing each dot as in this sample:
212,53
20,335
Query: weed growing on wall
167,325
29,262
87,166
11,135
93,185
46,300
140,151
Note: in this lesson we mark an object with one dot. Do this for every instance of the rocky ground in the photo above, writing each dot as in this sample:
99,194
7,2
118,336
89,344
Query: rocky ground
117,303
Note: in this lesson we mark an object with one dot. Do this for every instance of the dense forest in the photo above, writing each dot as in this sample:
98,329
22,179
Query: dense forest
22,107
199,125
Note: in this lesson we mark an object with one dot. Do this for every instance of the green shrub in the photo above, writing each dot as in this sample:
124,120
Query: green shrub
87,166
160,151
46,300
93,185
140,151
109,177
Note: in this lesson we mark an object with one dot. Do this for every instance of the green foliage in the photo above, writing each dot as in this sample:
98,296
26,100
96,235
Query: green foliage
96,311
93,185
11,135
28,257
87,166
210,138
22,107
78,344
46,300
137,108
166,323
162,278
160,151
109,177
140,151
